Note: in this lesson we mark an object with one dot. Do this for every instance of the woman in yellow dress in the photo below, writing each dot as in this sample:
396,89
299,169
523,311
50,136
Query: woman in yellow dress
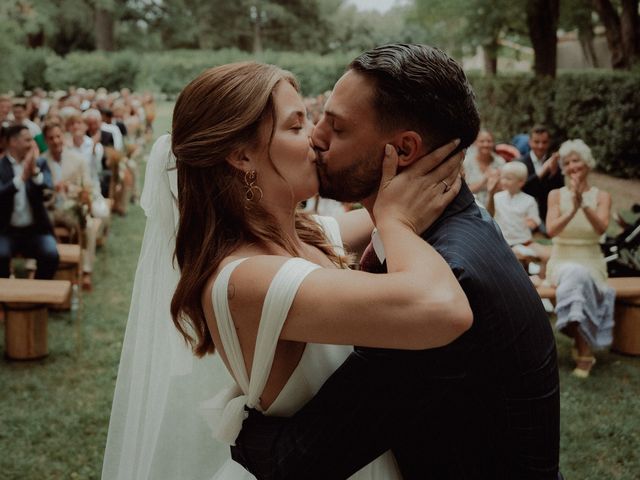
578,215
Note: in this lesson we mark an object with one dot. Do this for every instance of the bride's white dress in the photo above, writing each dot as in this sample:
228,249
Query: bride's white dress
317,363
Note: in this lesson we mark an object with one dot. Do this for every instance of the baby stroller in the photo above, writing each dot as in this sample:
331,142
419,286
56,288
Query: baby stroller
623,252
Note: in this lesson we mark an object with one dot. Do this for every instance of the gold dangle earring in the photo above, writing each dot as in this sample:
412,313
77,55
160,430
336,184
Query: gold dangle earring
253,193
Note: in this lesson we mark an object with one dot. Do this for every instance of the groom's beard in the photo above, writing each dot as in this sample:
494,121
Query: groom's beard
351,183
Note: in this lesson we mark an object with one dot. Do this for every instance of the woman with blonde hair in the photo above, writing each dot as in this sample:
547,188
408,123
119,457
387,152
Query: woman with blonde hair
577,217
263,285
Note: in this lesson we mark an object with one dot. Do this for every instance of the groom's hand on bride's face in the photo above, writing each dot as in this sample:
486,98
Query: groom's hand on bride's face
445,154
418,194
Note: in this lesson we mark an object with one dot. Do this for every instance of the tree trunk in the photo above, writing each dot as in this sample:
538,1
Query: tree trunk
629,24
257,37
613,32
586,36
542,20
104,25
205,34
36,40
490,56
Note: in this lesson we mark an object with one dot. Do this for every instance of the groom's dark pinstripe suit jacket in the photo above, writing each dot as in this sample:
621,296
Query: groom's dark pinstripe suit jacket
484,406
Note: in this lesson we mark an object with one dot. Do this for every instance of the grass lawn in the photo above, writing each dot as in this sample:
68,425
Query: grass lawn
54,413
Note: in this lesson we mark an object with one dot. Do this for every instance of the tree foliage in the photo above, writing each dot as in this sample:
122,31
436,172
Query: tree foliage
323,26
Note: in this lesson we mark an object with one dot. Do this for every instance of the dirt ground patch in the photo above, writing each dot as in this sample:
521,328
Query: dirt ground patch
624,192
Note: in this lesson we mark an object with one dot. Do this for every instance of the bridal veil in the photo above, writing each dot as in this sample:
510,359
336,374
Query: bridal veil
153,431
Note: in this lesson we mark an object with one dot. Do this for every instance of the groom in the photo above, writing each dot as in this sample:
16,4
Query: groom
485,406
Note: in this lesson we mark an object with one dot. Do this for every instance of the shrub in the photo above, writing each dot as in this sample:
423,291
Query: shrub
11,77
169,72
93,70
316,73
33,63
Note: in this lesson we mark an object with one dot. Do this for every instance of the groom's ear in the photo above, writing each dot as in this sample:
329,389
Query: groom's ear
408,145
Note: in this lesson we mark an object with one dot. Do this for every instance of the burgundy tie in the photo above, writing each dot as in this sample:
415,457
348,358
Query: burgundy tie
369,262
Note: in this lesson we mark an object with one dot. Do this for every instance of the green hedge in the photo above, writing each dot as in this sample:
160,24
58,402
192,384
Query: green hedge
166,72
600,107
11,67
169,72
92,70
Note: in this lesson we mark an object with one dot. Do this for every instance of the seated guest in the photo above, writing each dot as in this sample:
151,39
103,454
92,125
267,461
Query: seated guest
2,141
93,119
516,213
543,170
20,118
481,163
5,111
149,105
521,142
92,153
72,185
90,148
24,224
108,118
578,216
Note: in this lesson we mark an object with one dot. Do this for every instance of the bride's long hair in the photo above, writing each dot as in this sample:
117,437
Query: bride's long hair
222,110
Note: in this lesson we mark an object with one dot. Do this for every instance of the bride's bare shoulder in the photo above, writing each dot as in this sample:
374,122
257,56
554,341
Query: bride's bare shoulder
251,278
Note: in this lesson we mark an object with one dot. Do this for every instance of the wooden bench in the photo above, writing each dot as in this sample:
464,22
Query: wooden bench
68,269
626,332
25,304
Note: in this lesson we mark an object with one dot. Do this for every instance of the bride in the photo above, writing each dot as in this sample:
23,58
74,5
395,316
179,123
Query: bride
261,284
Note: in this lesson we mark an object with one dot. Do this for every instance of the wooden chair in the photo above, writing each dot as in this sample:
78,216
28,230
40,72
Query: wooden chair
25,304
626,332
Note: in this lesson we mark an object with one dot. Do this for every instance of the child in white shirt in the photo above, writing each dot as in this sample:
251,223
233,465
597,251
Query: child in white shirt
516,212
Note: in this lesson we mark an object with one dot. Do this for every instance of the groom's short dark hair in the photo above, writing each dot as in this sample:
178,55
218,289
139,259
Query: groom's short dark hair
421,88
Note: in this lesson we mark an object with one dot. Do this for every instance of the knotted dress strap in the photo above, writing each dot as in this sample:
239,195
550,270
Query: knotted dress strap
275,309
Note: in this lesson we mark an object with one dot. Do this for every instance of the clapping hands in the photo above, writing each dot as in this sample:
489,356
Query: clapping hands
493,181
29,162
577,189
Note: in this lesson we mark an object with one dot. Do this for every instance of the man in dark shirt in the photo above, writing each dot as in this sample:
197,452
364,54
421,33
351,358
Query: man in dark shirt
544,173
24,223
485,406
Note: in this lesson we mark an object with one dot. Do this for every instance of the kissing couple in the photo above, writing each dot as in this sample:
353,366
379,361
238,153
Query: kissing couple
454,374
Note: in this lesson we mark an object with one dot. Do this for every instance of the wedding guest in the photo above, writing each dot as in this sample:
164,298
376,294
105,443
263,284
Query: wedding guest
20,118
91,150
24,224
149,106
482,163
108,121
578,216
516,212
5,111
542,167
72,185
521,142
93,120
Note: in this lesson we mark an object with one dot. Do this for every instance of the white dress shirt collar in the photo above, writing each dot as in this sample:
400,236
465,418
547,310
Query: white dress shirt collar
378,247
